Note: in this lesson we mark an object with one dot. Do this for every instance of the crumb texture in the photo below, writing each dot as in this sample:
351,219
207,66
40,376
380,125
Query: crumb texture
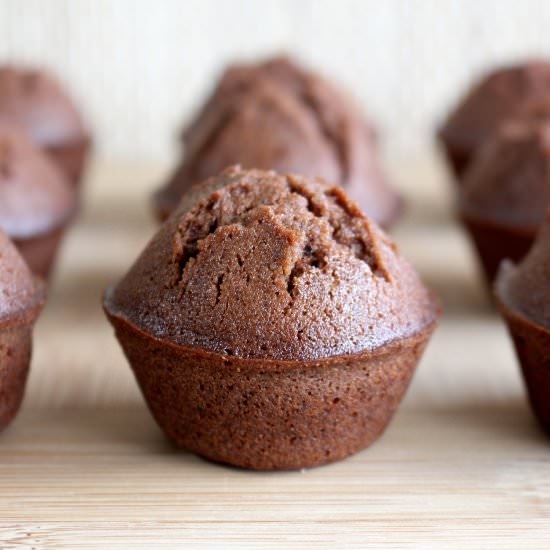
273,266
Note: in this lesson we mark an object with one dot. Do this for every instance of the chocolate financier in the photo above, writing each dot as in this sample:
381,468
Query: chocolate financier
36,200
523,295
276,115
21,300
507,188
35,101
272,325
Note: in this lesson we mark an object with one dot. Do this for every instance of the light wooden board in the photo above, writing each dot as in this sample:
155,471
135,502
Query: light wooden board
463,464
450,478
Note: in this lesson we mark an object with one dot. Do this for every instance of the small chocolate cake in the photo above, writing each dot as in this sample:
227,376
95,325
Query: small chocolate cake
523,294
36,200
272,325
35,101
276,115
507,188
21,300
496,97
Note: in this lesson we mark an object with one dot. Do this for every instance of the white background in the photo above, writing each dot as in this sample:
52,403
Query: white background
140,67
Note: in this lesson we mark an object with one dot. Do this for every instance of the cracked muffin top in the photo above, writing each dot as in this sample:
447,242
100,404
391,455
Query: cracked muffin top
35,101
19,290
525,288
277,116
509,179
35,197
273,266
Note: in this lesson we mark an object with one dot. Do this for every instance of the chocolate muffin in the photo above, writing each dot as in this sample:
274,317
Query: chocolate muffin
36,200
275,115
21,299
494,98
35,100
523,295
272,325
507,188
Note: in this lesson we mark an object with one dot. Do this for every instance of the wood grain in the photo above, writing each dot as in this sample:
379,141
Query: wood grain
455,478
463,465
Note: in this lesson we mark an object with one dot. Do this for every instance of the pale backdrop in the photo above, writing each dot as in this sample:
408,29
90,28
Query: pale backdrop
140,67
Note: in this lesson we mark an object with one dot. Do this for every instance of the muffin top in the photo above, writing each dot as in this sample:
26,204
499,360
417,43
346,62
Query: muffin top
35,197
273,266
19,291
525,288
497,96
275,115
35,100
509,179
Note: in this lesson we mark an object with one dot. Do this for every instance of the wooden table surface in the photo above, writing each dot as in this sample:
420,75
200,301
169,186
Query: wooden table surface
463,464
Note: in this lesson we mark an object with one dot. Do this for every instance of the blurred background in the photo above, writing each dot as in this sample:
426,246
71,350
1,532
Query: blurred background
140,67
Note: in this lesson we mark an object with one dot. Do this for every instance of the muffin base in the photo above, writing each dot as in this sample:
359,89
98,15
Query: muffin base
15,354
532,345
71,159
494,242
41,251
266,414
